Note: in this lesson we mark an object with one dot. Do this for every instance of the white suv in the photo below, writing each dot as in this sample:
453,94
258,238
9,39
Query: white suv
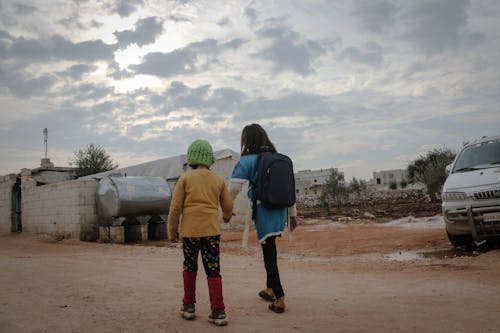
471,193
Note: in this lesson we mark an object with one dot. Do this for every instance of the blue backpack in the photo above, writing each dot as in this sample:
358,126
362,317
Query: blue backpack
275,186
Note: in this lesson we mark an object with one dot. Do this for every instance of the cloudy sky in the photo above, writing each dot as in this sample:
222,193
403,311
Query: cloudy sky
362,86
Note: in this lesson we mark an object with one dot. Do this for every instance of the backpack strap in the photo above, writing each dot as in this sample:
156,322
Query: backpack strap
254,188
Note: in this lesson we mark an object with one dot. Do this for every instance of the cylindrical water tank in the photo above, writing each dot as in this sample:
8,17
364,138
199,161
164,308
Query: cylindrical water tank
132,196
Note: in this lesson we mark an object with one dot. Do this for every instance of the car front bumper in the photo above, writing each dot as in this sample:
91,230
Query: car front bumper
480,220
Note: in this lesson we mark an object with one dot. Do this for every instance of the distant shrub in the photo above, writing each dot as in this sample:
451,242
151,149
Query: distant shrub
430,169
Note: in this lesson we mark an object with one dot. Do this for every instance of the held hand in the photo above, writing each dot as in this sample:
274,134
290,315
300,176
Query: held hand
293,223
174,240
175,243
227,219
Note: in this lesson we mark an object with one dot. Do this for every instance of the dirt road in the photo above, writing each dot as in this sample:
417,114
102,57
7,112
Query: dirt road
357,277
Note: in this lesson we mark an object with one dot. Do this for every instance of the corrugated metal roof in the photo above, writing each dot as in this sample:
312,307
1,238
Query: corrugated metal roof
168,168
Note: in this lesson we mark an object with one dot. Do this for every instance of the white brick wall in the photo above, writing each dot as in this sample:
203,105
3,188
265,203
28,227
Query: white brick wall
66,209
6,185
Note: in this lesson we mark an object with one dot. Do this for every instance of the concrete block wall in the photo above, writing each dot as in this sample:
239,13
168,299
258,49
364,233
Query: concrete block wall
6,184
51,176
66,209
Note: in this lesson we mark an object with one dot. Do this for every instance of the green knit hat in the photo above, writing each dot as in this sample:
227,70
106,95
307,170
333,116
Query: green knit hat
200,153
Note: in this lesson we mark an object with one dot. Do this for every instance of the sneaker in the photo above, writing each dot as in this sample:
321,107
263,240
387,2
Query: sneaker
188,311
218,317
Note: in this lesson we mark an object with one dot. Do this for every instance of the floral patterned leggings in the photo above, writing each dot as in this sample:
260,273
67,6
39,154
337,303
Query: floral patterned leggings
209,248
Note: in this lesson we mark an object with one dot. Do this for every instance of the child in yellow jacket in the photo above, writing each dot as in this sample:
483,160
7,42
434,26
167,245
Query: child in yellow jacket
196,200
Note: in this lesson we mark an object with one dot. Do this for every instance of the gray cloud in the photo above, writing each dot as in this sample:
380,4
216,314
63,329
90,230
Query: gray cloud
250,13
126,7
179,18
75,21
104,107
294,103
227,97
8,18
24,85
193,98
116,73
167,64
212,103
376,15
177,88
233,43
77,71
145,32
184,60
56,47
89,91
437,26
75,94
22,9
371,54
288,52
70,127
224,22
155,100
217,101
5,35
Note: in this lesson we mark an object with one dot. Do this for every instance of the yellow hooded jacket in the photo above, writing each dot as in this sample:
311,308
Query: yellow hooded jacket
196,201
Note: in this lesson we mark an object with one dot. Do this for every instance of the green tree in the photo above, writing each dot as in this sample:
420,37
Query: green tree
91,160
430,169
357,185
335,190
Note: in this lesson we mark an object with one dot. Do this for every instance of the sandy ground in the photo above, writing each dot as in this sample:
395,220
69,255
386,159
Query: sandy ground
357,277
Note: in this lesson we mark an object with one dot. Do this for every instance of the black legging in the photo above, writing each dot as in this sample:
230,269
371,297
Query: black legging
271,264
209,248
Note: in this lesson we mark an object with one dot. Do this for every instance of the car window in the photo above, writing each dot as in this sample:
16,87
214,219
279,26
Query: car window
481,155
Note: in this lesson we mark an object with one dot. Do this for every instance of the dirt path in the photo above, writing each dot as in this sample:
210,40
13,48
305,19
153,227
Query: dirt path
338,278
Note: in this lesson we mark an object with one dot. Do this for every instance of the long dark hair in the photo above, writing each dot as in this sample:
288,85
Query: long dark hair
254,140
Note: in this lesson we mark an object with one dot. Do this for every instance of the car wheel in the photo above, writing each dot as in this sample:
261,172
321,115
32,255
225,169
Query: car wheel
459,240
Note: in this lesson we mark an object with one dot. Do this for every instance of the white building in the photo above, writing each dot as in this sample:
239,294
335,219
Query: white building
384,179
310,182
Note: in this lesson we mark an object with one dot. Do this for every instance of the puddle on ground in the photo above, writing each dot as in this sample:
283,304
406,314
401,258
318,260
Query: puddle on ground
438,254
403,256
302,258
451,253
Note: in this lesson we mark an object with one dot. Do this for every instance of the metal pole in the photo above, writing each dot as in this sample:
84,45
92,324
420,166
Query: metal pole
45,139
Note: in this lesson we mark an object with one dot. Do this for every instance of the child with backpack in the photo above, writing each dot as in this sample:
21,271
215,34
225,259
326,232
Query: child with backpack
269,212
197,197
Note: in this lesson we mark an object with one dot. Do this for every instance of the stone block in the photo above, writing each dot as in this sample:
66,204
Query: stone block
112,234
136,233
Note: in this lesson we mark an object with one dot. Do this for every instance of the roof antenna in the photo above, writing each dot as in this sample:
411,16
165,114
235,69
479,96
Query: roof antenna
45,139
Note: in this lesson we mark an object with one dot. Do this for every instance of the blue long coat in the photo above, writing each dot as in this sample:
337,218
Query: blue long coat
268,222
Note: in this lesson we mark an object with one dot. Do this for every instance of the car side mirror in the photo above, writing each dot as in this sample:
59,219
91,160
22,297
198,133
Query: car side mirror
448,168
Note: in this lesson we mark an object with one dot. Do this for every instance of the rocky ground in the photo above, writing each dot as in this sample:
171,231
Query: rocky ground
339,276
